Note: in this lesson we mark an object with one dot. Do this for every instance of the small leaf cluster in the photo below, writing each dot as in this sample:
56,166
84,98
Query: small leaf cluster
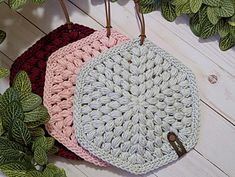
207,17
17,4
4,72
24,149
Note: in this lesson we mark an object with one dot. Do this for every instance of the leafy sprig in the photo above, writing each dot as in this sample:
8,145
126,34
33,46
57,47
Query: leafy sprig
207,17
24,149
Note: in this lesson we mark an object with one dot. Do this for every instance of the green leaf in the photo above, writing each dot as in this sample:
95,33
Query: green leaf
182,7
1,128
30,101
34,173
49,143
41,141
213,3
7,144
22,82
232,21
37,123
195,5
148,6
38,114
2,36
4,72
223,30
40,156
195,24
203,16
38,1
12,112
53,150
212,14
14,173
52,171
227,42
168,11
11,154
9,96
13,166
227,9
36,132
16,4
208,30
44,142
232,31
20,132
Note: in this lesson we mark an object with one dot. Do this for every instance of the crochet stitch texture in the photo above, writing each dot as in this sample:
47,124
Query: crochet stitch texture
62,69
33,61
127,100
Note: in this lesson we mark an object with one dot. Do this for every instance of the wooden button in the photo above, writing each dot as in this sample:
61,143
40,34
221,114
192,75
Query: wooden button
171,137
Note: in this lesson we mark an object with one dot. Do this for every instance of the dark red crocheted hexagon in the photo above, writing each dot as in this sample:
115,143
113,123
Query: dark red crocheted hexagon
33,61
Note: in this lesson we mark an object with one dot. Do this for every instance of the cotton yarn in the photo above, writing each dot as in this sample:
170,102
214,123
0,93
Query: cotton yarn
126,102
33,61
62,69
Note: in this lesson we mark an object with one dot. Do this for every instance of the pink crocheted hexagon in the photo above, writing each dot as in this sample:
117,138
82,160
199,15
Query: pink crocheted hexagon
62,69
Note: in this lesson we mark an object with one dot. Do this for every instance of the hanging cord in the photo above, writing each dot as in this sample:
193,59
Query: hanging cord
108,17
140,16
66,14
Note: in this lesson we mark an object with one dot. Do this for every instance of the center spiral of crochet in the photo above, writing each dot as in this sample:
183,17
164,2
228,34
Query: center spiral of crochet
126,102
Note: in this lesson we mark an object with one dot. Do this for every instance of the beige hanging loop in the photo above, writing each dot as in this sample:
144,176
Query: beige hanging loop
66,14
108,17
140,16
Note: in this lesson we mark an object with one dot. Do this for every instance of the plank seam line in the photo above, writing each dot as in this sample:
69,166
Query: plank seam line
85,13
220,114
211,162
6,56
71,162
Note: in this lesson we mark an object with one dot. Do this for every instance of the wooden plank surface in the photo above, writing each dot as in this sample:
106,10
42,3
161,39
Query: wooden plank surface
215,153
20,33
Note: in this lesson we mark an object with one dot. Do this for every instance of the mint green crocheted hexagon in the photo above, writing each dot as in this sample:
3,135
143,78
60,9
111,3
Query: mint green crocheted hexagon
126,102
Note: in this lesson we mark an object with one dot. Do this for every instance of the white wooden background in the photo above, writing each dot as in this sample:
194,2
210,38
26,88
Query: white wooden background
214,155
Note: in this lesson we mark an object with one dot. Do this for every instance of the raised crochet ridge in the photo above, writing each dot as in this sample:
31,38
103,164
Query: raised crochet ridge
34,59
62,69
126,102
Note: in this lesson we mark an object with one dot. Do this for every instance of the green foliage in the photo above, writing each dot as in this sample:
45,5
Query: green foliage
52,171
4,72
23,145
38,114
34,173
207,17
1,128
30,101
22,82
8,96
20,132
40,156
168,10
37,132
12,112
17,4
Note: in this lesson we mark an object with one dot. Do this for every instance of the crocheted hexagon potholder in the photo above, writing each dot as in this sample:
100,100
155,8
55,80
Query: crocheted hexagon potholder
62,69
128,101
33,61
